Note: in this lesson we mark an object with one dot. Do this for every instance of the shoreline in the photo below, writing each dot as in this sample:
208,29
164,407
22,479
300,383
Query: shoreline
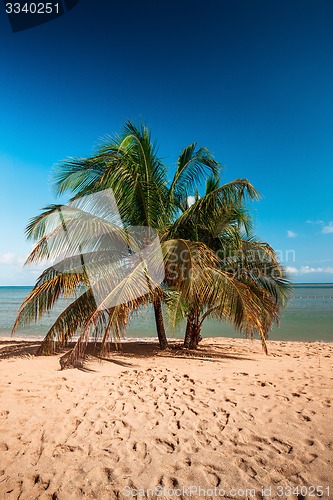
26,338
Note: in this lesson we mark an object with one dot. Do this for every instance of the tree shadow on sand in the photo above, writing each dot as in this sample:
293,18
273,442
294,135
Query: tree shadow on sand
11,349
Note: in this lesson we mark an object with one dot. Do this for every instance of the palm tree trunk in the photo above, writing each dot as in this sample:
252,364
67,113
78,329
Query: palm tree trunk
195,336
188,334
193,329
160,324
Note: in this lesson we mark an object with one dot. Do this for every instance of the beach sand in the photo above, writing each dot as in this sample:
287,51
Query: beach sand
225,417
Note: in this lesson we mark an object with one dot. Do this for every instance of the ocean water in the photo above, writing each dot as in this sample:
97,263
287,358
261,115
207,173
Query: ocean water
308,317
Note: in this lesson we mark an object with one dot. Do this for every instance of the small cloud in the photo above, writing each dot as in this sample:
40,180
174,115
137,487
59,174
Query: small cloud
328,229
13,272
8,258
320,222
13,259
291,234
17,261
309,270
292,270
190,200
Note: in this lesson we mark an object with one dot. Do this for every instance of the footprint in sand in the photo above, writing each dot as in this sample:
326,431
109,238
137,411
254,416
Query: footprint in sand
41,482
3,446
281,446
168,482
140,450
165,446
304,417
214,479
60,449
247,468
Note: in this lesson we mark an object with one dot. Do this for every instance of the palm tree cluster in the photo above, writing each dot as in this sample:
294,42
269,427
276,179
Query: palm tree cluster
212,266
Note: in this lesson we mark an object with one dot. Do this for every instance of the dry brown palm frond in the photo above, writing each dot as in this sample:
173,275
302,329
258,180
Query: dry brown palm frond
45,294
68,323
249,308
114,327
119,318
210,290
257,262
132,290
183,259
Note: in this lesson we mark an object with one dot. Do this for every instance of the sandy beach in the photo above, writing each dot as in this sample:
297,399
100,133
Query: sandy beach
224,421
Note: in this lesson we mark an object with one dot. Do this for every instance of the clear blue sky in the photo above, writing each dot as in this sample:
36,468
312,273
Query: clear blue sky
251,80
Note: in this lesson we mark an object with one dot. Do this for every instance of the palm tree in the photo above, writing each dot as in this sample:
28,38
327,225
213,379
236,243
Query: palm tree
248,294
214,292
129,165
245,275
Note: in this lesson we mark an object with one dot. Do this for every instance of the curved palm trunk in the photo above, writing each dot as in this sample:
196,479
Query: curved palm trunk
188,334
160,324
195,336
193,329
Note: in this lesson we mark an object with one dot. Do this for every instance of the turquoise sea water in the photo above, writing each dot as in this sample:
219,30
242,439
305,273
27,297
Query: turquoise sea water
308,317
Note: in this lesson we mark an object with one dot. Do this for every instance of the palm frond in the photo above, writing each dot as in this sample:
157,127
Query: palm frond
226,199
68,323
176,308
193,167
98,324
71,231
46,293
